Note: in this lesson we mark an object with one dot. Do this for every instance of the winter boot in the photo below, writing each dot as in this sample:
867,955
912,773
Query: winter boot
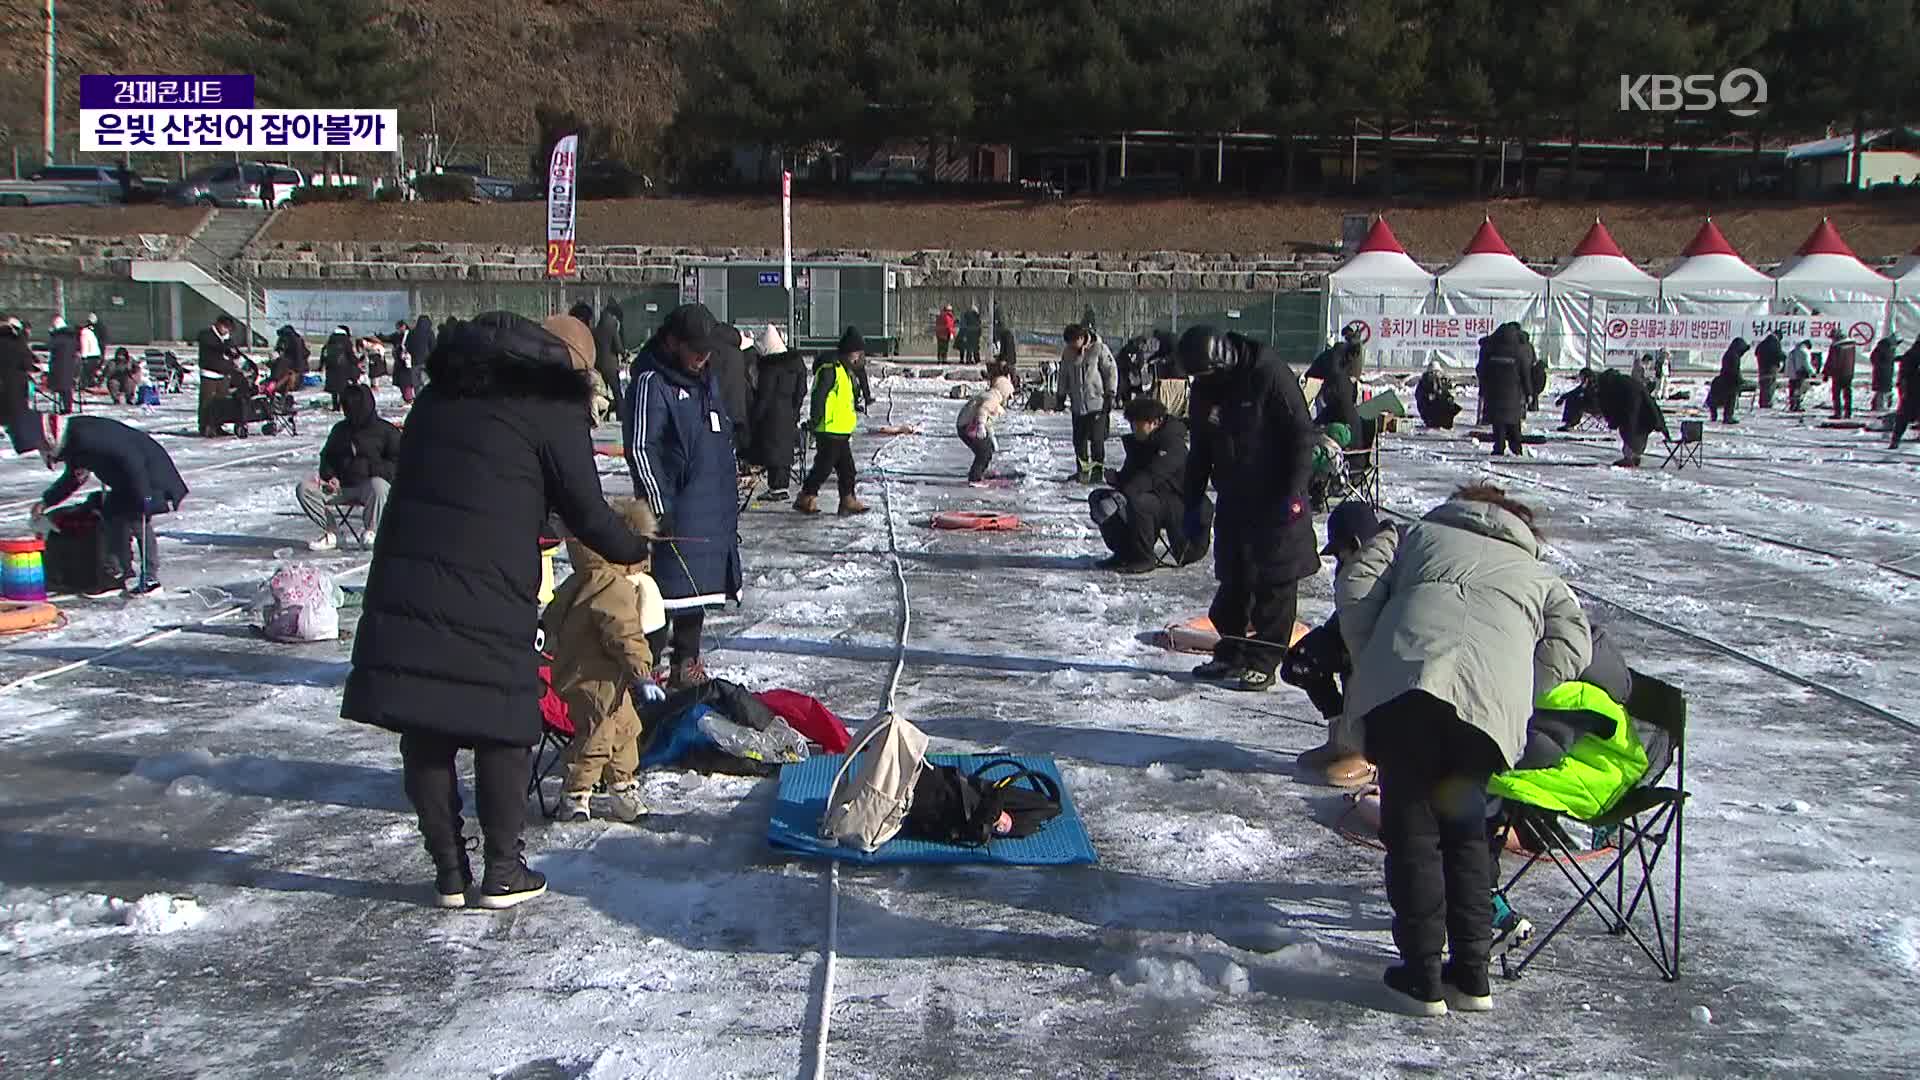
1096,474
807,504
626,805
772,498
452,879
1215,670
1466,987
1417,990
686,674
851,505
327,542
507,884
576,806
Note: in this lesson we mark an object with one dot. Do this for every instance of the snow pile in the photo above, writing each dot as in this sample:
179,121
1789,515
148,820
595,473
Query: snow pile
158,913
32,922
1198,978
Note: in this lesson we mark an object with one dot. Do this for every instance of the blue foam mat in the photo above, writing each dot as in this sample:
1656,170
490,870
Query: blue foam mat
795,825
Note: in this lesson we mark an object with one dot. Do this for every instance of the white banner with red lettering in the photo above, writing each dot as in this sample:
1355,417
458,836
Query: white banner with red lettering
1713,333
1446,333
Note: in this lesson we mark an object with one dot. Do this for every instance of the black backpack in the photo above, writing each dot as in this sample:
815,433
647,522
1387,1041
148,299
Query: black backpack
951,806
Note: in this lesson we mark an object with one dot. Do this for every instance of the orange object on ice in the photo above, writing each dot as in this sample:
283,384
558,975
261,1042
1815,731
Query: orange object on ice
976,521
1197,635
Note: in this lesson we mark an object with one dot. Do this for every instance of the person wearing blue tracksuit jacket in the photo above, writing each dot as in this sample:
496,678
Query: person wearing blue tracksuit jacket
679,449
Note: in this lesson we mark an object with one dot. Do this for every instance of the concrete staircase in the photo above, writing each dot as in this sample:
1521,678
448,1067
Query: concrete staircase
206,266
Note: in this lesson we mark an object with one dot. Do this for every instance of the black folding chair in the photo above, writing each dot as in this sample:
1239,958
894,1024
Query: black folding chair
1637,895
346,519
1686,449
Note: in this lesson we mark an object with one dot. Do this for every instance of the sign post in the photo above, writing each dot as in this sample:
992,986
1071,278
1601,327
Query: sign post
786,238
561,172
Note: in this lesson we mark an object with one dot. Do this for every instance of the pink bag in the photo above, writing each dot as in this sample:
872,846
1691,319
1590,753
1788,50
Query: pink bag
808,717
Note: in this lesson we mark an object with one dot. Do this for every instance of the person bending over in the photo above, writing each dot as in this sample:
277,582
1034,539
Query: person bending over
140,480
1452,625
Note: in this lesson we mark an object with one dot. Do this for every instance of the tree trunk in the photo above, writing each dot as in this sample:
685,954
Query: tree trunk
1573,160
1386,157
1855,163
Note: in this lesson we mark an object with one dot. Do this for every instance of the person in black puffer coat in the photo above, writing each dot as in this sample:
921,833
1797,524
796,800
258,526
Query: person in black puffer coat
779,401
1148,497
1433,398
339,365
137,473
444,652
609,348
1628,407
1880,365
1772,359
357,468
63,364
1505,385
729,366
1723,393
1339,403
1252,438
1908,381
410,357
1842,362
16,373
1536,368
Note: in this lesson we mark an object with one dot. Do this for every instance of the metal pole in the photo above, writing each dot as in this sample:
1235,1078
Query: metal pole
1123,155
47,110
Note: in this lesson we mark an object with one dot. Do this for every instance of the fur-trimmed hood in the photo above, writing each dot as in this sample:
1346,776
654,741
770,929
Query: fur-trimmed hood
503,355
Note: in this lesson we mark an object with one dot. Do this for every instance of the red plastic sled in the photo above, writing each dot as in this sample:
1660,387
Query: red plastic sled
808,717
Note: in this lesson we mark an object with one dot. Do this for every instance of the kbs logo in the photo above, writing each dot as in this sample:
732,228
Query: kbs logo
1741,92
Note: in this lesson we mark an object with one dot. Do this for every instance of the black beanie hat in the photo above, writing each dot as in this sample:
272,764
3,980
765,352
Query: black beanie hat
852,342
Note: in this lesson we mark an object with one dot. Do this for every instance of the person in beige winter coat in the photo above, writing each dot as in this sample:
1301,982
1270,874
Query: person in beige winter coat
1089,378
1455,625
604,626
975,424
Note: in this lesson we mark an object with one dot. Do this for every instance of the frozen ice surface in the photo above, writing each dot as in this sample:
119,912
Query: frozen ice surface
205,873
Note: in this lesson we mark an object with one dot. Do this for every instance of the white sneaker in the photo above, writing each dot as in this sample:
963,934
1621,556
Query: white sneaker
327,542
625,802
574,806
366,542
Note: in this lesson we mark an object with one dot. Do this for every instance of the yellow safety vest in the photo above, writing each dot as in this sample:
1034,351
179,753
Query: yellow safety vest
838,418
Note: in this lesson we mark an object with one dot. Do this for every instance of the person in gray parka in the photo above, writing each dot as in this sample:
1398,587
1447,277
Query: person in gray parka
1455,626
1089,378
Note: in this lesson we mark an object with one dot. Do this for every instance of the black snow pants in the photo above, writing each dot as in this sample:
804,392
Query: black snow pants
832,454
1506,436
1263,611
1433,821
433,786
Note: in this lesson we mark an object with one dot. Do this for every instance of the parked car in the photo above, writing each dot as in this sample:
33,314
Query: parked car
486,187
55,185
236,185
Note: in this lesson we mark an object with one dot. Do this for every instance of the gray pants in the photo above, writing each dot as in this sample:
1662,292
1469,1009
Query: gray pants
370,497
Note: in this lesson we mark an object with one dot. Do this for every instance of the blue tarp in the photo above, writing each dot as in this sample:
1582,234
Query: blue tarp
802,800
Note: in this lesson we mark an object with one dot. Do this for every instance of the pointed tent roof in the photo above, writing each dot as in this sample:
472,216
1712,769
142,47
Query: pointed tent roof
1599,268
1381,267
1598,241
1488,263
1710,269
1826,269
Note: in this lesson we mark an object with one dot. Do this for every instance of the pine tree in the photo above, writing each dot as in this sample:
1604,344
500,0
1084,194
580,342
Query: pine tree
331,55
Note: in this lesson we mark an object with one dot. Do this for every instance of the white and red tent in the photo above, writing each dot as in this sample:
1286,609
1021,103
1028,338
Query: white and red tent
1490,281
1597,281
1712,279
1825,277
1380,279
1906,297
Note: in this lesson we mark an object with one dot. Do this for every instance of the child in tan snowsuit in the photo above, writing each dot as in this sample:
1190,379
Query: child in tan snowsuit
603,627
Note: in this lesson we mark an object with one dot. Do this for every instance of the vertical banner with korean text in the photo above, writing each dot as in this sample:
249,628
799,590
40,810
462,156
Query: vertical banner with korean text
562,168
786,243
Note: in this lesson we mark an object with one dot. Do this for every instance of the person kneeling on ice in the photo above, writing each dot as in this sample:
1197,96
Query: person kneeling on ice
1252,439
604,626
1148,496
1319,662
357,467
975,424
140,480
1454,626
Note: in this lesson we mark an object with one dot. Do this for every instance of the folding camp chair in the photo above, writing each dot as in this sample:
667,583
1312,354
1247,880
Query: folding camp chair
1357,478
346,519
556,734
1687,447
1641,826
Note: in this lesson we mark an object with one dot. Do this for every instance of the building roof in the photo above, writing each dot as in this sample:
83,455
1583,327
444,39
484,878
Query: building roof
1894,138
